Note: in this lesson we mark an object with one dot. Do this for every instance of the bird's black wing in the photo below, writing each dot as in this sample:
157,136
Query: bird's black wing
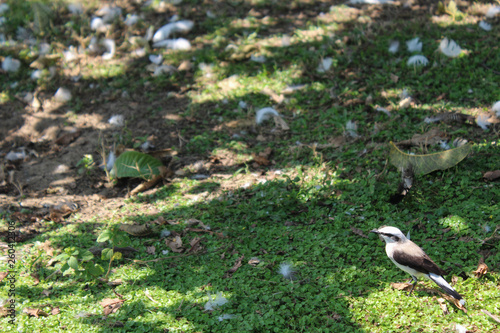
420,262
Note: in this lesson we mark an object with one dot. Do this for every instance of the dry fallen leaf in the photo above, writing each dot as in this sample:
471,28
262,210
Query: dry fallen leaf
260,160
237,265
481,270
139,230
254,261
150,249
35,312
3,275
175,244
455,301
492,175
401,286
55,311
443,306
195,245
111,305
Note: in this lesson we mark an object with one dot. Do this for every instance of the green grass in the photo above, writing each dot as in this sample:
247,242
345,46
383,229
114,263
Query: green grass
306,213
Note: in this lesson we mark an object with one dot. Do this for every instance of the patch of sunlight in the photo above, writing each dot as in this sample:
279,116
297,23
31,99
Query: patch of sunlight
4,97
240,85
456,223
104,70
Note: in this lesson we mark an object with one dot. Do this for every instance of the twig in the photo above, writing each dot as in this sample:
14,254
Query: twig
495,318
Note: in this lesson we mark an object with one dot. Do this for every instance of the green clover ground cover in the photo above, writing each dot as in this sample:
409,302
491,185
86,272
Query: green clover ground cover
315,212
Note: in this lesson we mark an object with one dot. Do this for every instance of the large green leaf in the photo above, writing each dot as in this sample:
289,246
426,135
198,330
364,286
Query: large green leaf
423,164
135,164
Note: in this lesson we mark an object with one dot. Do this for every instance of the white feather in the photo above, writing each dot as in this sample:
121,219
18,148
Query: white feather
10,64
485,26
226,316
394,46
156,59
110,47
164,69
258,58
97,24
264,114
164,32
117,120
287,270
174,44
482,121
324,65
449,48
131,19
215,302
414,45
444,145
62,95
417,60
496,108
4,8
460,329
75,8
492,12
384,110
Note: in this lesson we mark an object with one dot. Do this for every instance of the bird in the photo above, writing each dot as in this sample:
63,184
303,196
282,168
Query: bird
410,257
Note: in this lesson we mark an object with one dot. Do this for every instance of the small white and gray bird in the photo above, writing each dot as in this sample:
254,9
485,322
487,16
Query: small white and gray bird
409,257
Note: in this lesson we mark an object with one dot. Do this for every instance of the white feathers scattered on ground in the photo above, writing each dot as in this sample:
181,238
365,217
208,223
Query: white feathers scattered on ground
460,329
108,13
75,8
164,32
485,26
131,19
444,145
414,45
70,54
110,161
324,65
117,120
258,58
384,110
4,8
20,154
482,121
417,60
98,24
174,44
287,270
10,64
394,46
496,108
265,114
242,105
215,302
449,48
156,59
164,69
110,47
459,142
493,11
226,316
351,129
62,95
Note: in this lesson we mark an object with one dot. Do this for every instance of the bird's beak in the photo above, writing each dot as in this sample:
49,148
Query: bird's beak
374,231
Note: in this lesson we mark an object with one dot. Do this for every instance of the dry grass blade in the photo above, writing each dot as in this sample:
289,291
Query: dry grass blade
443,306
492,316
358,232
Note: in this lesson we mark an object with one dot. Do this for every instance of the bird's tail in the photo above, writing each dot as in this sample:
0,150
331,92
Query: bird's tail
441,282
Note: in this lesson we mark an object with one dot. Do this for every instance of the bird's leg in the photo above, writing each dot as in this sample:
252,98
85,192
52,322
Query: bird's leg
414,284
